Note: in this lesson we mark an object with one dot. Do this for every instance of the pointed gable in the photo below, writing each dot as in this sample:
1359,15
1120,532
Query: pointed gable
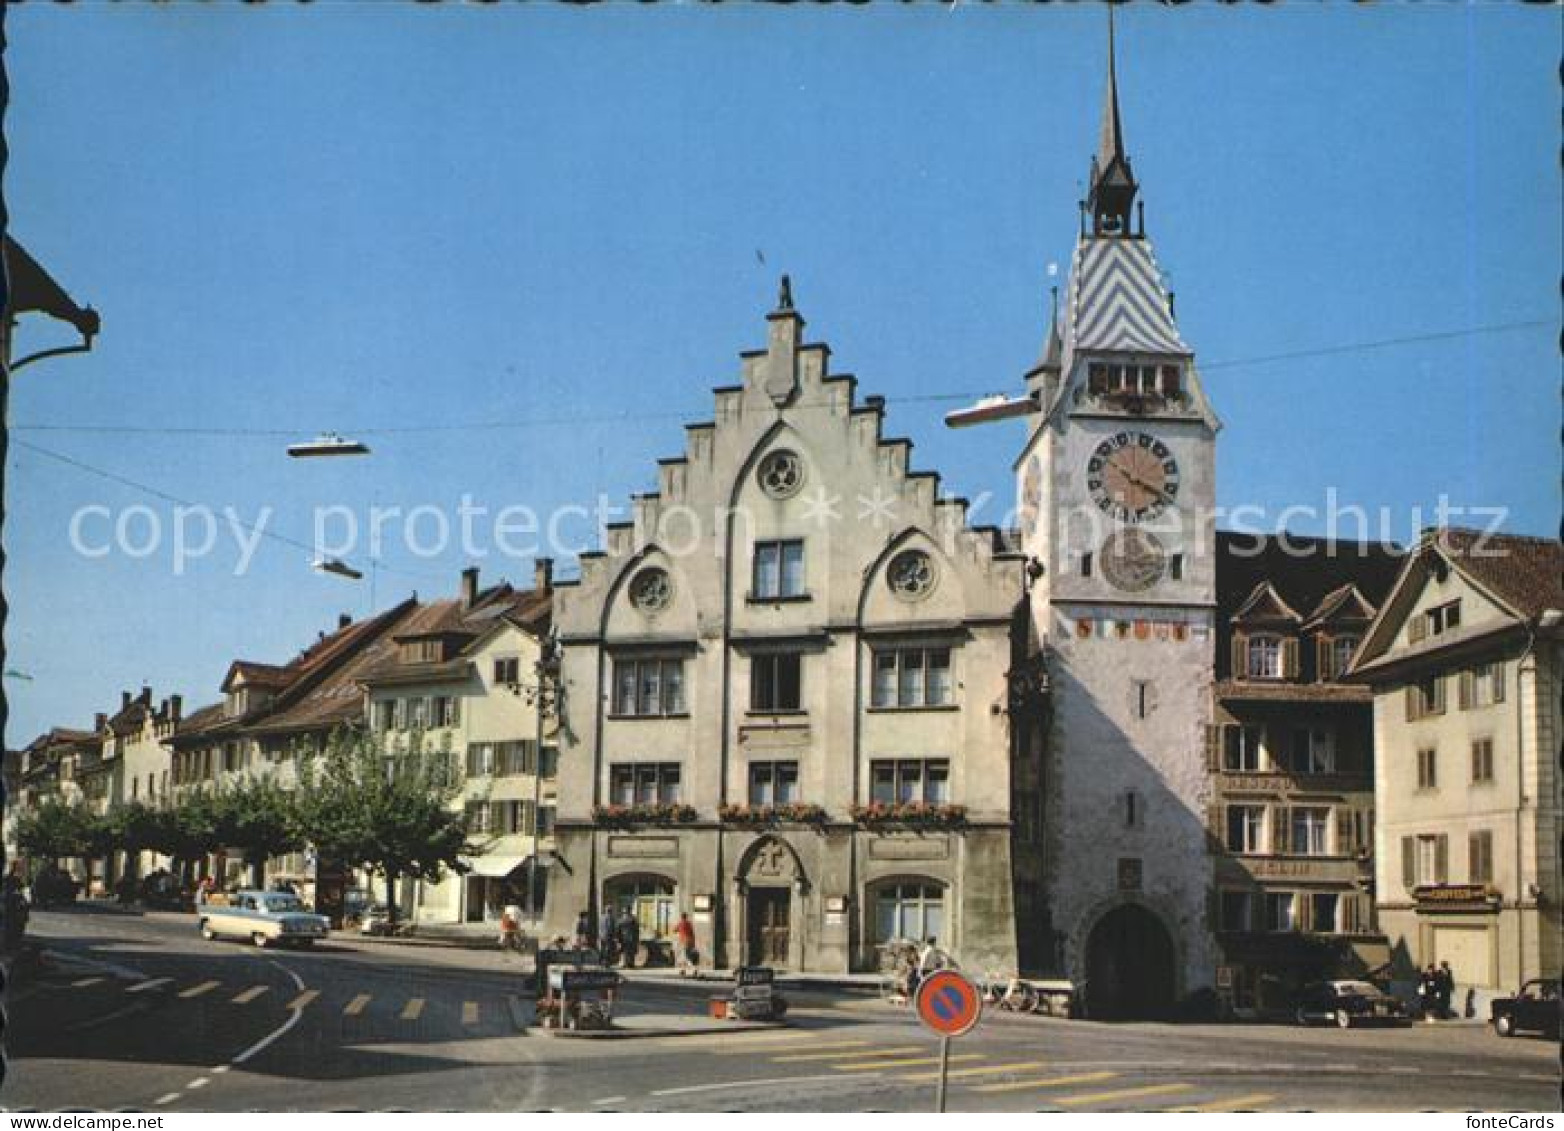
1341,607
1264,607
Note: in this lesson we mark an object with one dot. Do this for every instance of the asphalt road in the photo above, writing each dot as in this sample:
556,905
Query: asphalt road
142,1014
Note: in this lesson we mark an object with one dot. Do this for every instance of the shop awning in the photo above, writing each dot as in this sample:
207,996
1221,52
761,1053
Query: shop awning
498,866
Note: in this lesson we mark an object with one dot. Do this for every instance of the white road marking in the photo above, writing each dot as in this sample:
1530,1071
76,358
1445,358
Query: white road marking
168,1099
293,1019
83,982
609,1100
149,984
197,991
745,1084
249,995
413,1009
198,1082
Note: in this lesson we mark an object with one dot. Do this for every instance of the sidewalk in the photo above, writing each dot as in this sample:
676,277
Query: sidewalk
864,983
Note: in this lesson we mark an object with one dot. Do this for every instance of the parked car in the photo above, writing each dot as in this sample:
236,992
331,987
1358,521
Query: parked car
1349,1003
1535,1008
264,918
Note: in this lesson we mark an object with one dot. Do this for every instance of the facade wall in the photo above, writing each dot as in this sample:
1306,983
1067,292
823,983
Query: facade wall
856,510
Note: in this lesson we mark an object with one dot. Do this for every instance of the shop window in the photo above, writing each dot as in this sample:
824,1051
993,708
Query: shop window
649,898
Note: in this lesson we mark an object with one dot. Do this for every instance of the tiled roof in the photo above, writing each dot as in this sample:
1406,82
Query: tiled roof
1525,573
529,609
1261,691
266,675
1116,299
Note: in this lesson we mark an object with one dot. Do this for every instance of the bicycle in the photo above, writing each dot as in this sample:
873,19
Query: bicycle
1012,994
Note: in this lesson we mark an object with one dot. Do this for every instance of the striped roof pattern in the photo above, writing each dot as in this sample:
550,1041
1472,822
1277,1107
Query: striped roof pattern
1117,301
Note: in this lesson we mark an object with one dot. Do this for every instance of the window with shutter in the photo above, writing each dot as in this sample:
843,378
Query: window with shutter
1213,746
1279,844
1442,859
1322,659
1409,862
1240,656
1289,659
1346,840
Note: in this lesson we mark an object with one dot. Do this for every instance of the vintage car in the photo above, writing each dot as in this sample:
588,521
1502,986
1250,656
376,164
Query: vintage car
1349,1003
264,918
1534,1009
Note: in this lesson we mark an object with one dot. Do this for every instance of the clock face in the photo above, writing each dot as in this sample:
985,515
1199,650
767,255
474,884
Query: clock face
1133,560
1132,476
1031,492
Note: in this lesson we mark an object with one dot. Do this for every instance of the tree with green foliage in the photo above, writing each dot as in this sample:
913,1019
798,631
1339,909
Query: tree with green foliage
390,811
262,820
53,830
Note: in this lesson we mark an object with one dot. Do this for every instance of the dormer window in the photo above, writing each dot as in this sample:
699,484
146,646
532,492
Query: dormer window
423,651
1264,657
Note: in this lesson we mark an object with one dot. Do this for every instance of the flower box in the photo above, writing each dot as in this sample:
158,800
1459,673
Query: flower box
912,814
628,816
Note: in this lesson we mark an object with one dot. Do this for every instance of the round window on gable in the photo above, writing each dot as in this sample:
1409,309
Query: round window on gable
651,590
911,575
781,474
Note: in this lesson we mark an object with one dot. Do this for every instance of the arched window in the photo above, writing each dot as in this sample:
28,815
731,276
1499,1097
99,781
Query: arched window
910,909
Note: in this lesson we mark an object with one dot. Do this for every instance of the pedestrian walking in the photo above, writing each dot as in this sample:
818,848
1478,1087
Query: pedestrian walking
583,931
1428,993
629,937
607,935
684,938
1446,989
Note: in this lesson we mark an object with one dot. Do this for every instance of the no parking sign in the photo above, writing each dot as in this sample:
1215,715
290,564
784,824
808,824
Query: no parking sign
950,1005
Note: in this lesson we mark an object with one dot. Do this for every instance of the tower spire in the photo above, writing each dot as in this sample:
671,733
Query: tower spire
1113,187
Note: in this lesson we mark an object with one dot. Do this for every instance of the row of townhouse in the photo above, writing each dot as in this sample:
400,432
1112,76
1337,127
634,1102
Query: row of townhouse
458,674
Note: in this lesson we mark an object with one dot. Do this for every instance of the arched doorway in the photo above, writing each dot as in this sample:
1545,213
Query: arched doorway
1129,966
769,876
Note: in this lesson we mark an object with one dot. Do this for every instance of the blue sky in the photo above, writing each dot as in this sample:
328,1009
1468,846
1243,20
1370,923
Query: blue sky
374,217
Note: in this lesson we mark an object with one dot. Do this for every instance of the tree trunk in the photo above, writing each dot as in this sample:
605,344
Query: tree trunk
258,873
391,907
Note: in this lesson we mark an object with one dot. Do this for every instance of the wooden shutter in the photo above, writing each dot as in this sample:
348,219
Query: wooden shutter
1290,658
1411,701
1240,656
1409,862
1322,659
1464,689
1346,832
1279,830
1442,858
1498,681
1417,628
1214,747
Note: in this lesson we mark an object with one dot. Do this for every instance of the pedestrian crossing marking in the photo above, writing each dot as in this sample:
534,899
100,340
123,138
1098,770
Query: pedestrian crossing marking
469,1013
727,1050
1047,1082
149,984
81,983
986,1070
356,1006
1232,1104
902,1062
249,995
303,999
1123,1094
197,991
413,1009
791,1058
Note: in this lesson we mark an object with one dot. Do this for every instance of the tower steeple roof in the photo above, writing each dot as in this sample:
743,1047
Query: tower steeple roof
1113,187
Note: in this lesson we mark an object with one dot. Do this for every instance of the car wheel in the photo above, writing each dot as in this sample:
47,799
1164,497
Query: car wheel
206,931
1504,1025
260,940
1343,1019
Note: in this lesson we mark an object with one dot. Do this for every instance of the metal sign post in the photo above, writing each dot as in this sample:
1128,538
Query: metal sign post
949,1004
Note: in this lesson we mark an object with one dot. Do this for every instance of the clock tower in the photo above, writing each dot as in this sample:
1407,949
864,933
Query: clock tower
1117,496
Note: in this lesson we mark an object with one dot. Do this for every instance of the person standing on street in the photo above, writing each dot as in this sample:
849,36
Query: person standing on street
1446,988
583,931
684,938
607,934
629,937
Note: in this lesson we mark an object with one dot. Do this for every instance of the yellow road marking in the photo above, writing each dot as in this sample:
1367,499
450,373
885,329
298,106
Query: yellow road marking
80,982
905,1062
356,1006
197,991
1228,1105
846,1055
249,995
469,1013
303,999
413,1009
1046,1082
986,1070
1123,1094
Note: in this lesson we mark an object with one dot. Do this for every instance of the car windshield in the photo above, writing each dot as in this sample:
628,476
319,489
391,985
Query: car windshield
283,903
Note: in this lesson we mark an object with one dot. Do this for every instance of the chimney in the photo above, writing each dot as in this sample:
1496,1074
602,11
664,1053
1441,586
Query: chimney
469,587
146,695
543,574
124,700
343,620
176,707
99,721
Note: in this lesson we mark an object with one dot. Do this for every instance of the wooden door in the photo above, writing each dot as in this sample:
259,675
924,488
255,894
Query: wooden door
770,926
